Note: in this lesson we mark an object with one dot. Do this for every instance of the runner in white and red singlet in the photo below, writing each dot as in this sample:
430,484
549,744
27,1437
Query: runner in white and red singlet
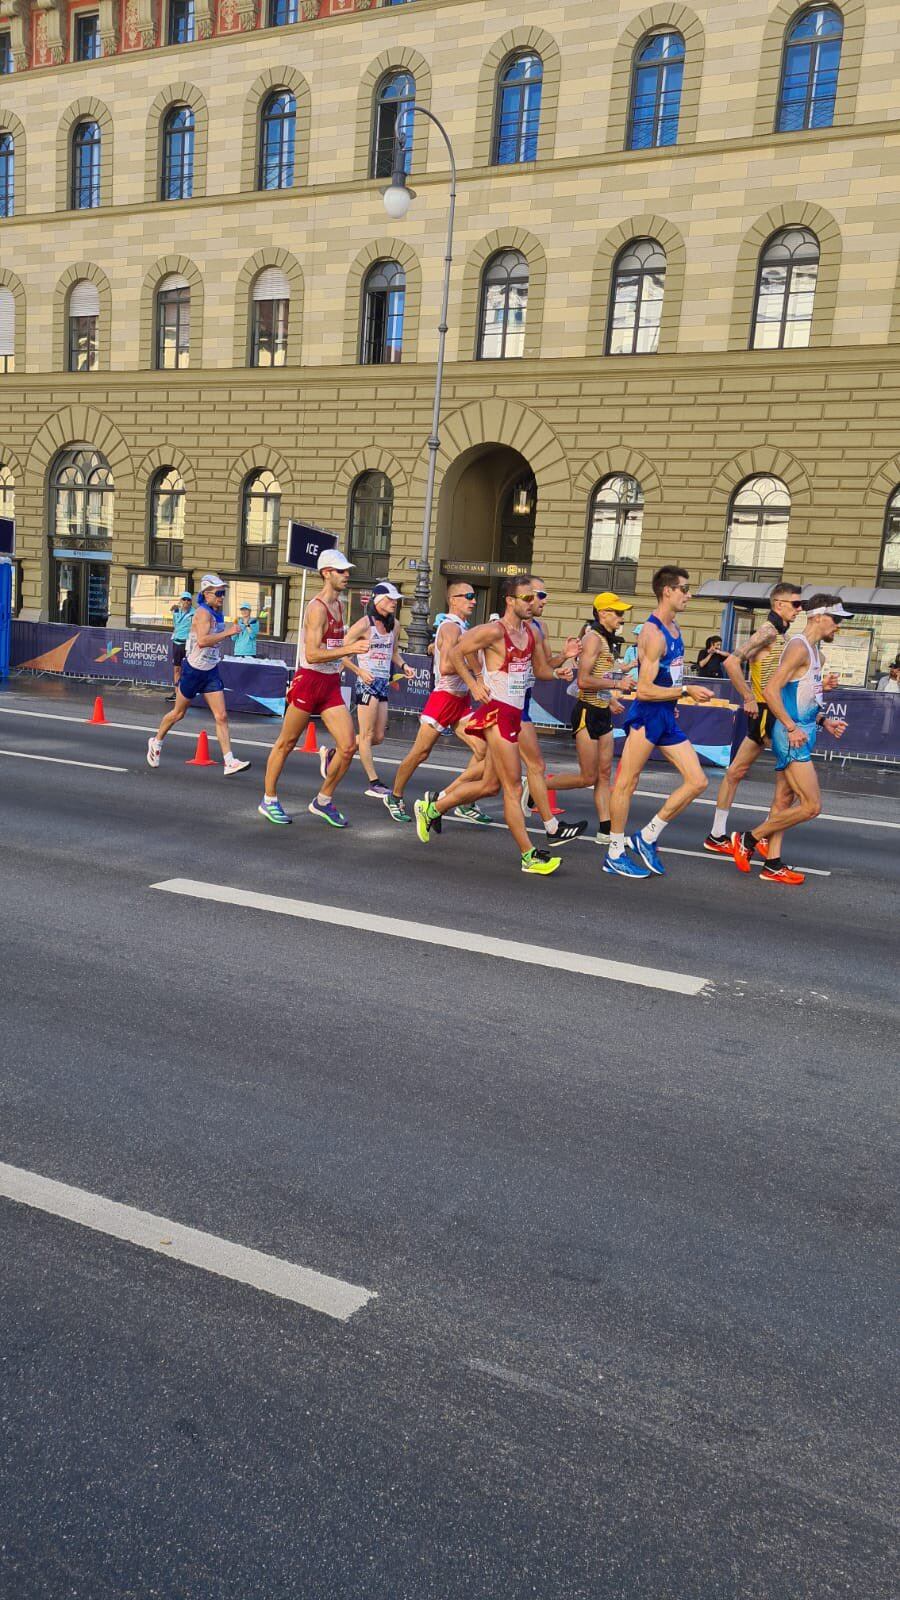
315,691
511,658
448,705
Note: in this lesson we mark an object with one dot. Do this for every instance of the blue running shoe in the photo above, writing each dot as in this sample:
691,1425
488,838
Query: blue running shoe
647,853
274,810
623,867
328,812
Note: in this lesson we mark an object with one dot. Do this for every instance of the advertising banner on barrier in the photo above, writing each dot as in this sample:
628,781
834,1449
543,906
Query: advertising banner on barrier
254,685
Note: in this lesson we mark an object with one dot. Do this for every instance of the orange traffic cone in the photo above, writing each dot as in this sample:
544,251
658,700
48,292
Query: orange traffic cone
99,713
201,756
310,747
556,810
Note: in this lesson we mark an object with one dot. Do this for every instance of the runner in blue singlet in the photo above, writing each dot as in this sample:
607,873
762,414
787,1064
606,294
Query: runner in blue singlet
652,723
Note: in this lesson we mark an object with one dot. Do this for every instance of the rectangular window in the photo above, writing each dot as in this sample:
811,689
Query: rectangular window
282,12
174,329
267,599
86,41
151,596
83,355
181,21
270,325
7,65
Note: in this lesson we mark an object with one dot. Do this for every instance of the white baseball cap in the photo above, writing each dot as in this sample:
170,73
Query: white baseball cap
835,610
386,591
335,560
211,580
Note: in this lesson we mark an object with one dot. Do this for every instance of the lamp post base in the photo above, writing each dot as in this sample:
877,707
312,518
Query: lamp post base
418,629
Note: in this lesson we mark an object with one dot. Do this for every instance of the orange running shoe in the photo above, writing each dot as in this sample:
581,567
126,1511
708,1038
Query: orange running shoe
741,853
717,847
762,848
783,874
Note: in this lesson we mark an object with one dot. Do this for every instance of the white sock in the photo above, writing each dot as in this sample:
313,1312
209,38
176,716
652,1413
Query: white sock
323,799
269,799
720,822
156,742
552,827
616,845
228,758
654,828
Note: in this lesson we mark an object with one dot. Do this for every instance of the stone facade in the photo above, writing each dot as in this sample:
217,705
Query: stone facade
690,422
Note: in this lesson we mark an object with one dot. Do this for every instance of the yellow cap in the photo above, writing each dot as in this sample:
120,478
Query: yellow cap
607,601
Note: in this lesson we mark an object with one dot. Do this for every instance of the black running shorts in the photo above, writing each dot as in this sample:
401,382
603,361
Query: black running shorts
595,720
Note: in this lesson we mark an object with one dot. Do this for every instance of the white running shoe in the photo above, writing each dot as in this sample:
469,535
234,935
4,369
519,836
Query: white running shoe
231,767
153,749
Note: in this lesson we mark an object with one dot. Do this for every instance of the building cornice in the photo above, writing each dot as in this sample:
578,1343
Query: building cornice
468,176
614,372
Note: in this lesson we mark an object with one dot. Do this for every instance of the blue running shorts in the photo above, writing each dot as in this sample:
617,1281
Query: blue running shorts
526,709
783,752
378,689
656,720
193,681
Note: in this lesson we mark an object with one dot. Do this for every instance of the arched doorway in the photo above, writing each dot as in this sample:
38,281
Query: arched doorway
486,519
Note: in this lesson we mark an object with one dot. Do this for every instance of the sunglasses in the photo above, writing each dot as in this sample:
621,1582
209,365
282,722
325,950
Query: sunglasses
540,594
220,593
796,604
526,597
683,588
469,596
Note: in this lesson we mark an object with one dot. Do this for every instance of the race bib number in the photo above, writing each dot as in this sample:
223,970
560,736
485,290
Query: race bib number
519,682
676,671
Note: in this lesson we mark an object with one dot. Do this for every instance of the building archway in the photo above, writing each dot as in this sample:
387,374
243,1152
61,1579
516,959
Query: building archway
487,514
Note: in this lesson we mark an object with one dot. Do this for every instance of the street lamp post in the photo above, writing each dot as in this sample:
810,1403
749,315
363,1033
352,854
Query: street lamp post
397,200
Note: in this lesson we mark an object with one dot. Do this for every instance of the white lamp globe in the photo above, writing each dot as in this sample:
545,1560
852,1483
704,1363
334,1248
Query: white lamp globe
397,200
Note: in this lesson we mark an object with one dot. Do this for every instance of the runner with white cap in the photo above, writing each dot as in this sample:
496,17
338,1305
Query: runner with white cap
200,673
380,660
325,647
794,695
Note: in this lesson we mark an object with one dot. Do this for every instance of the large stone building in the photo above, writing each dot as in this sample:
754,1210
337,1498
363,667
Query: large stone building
674,322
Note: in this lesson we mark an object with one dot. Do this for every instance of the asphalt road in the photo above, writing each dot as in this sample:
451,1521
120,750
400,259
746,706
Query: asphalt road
630,1249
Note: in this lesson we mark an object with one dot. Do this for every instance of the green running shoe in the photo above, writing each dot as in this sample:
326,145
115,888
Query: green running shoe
428,818
539,862
471,813
396,808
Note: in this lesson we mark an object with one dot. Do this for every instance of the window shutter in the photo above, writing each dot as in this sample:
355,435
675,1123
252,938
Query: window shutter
7,323
84,301
175,280
272,284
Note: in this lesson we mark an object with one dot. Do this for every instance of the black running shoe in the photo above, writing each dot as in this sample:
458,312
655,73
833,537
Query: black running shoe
565,832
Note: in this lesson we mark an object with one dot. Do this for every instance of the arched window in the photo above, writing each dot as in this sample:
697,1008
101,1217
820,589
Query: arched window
173,322
809,70
277,133
85,166
7,173
517,116
182,24
7,492
889,565
260,517
656,91
785,291
166,518
269,312
7,331
83,322
393,118
282,12
371,514
636,301
757,530
384,301
81,490
504,300
613,545
177,176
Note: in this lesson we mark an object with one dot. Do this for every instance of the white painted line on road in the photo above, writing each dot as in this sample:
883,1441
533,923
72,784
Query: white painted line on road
271,1274
60,761
430,766
588,838
534,955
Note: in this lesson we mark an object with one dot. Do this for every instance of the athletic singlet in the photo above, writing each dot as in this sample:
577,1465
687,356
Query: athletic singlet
606,662
380,653
509,684
332,640
207,656
670,672
803,698
535,623
763,665
448,682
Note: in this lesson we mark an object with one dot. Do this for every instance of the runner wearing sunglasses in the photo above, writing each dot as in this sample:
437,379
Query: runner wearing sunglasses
510,652
651,723
534,782
200,673
448,706
761,654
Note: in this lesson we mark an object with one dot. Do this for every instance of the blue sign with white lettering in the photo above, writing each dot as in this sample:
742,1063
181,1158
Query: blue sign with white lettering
306,542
